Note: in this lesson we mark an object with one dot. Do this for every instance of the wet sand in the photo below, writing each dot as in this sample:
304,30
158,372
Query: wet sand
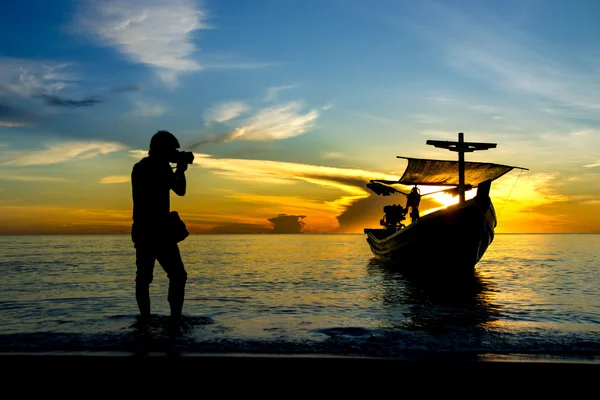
235,365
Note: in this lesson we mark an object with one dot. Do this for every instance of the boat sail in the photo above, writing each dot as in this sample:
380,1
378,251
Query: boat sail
451,240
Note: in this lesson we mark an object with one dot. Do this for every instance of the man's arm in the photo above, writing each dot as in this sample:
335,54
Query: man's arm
179,184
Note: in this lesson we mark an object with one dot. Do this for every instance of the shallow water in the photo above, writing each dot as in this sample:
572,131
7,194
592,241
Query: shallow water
325,294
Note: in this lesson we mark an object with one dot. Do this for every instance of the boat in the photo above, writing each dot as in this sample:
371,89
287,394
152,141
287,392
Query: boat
448,241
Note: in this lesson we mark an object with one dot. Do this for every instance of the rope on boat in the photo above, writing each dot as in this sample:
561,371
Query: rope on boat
508,195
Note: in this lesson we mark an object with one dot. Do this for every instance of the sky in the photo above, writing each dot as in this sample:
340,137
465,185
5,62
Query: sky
291,107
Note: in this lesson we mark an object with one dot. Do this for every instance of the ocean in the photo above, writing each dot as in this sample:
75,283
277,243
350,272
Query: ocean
532,296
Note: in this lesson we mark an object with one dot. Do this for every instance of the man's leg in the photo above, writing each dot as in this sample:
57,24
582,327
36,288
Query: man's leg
144,260
170,259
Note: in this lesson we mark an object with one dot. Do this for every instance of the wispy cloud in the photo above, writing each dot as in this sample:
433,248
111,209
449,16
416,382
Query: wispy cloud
26,78
529,191
273,123
485,108
7,123
33,178
226,111
278,122
510,59
116,179
157,33
148,108
26,86
57,101
61,152
138,153
273,91
597,164
349,180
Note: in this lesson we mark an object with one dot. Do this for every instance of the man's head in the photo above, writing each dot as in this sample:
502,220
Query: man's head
164,145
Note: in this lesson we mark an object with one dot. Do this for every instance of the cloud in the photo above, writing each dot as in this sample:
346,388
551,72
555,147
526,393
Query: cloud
62,152
284,223
273,123
151,32
116,179
226,111
511,60
25,78
24,81
138,153
484,108
273,92
52,100
529,191
148,108
346,185
348,180
597,164
33,178
13,124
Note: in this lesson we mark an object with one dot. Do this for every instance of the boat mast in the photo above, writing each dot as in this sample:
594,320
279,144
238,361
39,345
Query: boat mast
461,147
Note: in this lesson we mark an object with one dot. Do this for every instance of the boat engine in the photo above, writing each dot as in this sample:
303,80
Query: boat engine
394,215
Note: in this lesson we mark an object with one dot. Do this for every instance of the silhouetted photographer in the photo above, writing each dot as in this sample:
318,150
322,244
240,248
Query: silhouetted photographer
156,230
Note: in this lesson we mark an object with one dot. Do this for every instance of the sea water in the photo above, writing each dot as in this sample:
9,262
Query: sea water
534,295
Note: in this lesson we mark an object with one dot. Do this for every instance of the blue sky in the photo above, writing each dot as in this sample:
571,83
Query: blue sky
342,84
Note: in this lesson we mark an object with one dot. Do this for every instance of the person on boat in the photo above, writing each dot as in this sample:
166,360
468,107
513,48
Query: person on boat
152,180
413,200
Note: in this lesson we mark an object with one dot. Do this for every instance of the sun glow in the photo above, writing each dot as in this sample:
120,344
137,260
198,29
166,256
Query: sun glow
445,199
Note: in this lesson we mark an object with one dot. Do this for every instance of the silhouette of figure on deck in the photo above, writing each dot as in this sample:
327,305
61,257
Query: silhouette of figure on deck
152,179
413,200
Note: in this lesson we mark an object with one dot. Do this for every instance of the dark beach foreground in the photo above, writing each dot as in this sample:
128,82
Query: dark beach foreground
99,365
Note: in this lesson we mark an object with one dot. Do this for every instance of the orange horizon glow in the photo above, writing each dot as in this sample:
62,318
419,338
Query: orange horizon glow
239,196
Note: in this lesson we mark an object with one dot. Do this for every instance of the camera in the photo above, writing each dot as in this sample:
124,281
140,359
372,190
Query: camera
184,157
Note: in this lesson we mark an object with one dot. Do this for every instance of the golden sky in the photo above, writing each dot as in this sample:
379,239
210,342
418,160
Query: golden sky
233,195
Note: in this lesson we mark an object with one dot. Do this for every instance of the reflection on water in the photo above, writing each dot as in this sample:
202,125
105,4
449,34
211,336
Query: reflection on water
433,304
301,294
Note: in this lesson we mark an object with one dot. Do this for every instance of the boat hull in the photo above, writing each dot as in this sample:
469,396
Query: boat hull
451,240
